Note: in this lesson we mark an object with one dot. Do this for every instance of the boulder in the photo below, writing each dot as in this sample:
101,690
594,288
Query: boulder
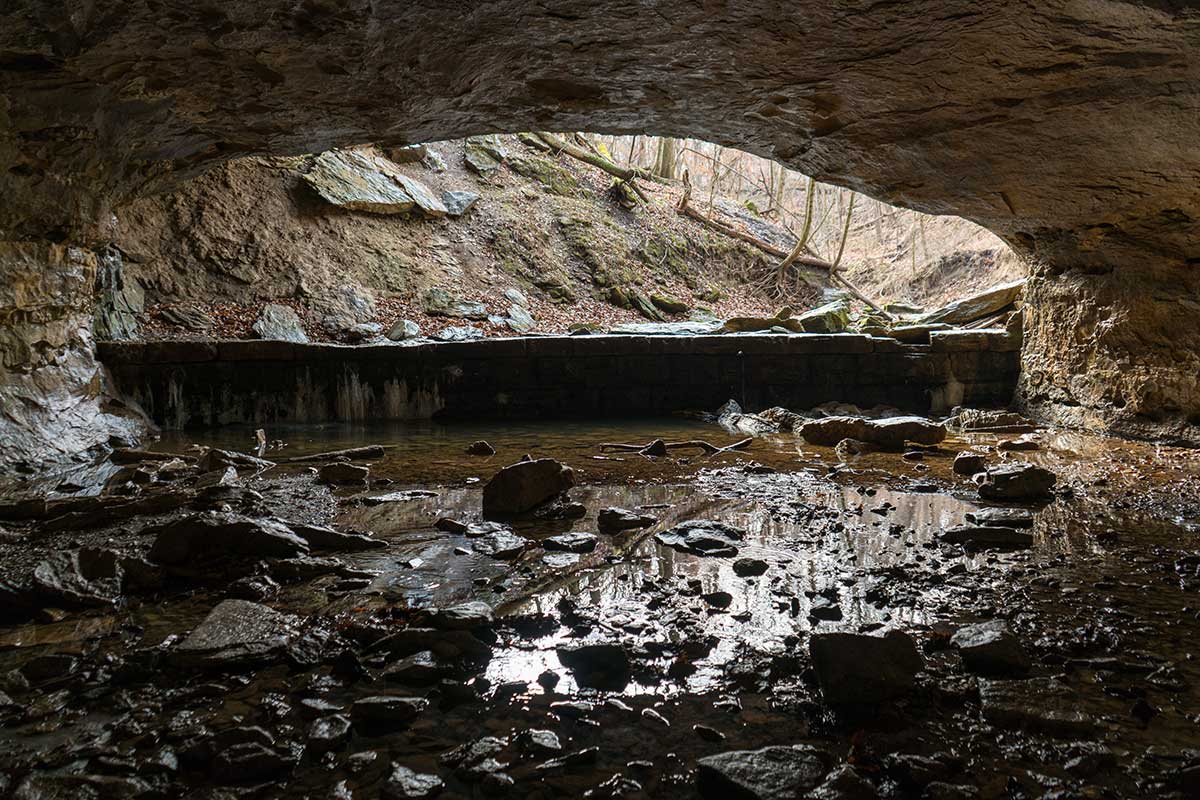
890,433
573,542
403,329
187,316
750,567
969,463
357,180
771,773
237,633
458,203
521,487
1016,481
668,304
703,538
516,297
859,669
989,648
982,537
328,734
615,520
519,320
407,784
385,712
977,306
502,545
83,578
203,538
279,322
484,155
830,318
458,333
425,200
341,473
596,664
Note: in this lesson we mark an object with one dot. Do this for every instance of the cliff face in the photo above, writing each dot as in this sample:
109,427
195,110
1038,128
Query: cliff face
1067,127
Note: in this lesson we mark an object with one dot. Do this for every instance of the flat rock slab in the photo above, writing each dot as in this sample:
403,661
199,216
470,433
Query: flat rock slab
573,542
203,538
981,537
320,537
772,773
236,633
360,181
522,487
860,669
1001,517
890,433
1044,705
1016,481
703,538
977,306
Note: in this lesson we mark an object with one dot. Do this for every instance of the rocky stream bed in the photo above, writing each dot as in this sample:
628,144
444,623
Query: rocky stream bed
776,621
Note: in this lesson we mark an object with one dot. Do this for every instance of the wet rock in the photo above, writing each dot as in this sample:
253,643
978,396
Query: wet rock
596,664
989,648
216,459
1043,705
341,473
1001,517
249,762
749,567
1020,444
419,669
84,578
218,477
539,742
845,783
385,712
459,202
501,545
405,784
446,644
459,333
1016,481
328,734
854,669
463,617
703,538
890,433
824,610
573,542
320,537
237,633
980,537
206,538
519,320
977,306
43,786
281,323
403,329
615,520
986,420
358,180
523,486
252,587
969,463
451,525
480,448
772,773
49,668
718,600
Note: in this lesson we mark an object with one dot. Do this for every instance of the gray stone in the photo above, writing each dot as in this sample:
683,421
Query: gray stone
341,473
520,320
969,463
406,784
889,433
463,617
989,648
357,180
857,669
522,487
321,537
279,322
385,712
460,333
236,633
419,669
977,306
830,318
209,537
408,153
703,538
615,520
516,297
1001,517
83,578
1016,481
1042,705
501,545
187,316
981,537
328,734
844,783
458,203
573,542
404,329
684,328
426,201
771,773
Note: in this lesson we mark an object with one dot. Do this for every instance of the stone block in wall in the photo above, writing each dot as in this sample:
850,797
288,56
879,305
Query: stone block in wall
958,341
178,352
829,343
1002,341
256,350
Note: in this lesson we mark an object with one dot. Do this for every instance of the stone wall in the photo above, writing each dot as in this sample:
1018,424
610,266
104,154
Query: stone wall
53,404
198,384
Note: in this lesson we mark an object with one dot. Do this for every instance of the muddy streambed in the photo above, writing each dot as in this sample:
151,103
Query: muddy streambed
714,651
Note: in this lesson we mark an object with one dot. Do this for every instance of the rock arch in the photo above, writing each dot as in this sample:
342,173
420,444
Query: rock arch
1069,127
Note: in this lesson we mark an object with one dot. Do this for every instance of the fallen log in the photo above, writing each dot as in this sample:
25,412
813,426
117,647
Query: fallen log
687,210
624,174
370,451
699,444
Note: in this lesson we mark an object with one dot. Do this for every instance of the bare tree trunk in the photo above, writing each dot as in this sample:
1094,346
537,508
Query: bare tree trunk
668,155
